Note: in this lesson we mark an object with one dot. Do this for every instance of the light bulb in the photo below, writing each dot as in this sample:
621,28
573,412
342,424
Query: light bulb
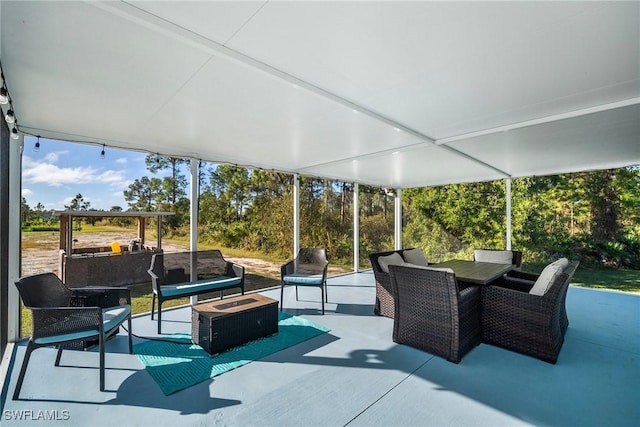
14,134
4,96
102,153
36,147
10,117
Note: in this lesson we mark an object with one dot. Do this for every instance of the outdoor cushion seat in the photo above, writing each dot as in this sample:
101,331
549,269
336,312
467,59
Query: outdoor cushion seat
63,316
498,256
380,262
202,286
308,268
391,259
515,319
415,256
303,279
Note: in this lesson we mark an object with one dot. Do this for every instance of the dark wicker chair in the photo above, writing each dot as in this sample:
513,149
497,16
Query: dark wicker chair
384,305
529,324
308,268
432,314
63,316
516,259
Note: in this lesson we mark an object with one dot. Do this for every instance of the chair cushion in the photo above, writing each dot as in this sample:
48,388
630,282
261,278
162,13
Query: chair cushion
548,276
386,261
204,285
303,279
415,256
497,257
111,318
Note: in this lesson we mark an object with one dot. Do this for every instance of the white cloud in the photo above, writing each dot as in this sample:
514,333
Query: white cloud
121,160
46,172
26,192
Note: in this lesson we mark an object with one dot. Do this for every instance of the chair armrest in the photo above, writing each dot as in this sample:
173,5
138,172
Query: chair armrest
511,301
519,274
514,283
236,269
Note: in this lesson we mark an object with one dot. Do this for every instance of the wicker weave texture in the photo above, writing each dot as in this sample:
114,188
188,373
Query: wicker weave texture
432,314
528,324
384,304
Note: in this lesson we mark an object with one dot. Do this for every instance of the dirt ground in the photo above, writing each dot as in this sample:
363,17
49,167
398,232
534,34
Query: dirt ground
40,253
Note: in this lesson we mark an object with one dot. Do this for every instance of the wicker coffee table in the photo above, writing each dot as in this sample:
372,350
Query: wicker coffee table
224,324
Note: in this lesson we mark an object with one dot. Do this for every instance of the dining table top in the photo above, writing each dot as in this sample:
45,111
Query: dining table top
476,272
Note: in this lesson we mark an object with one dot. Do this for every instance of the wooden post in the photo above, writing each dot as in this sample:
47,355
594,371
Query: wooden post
141,229
64,224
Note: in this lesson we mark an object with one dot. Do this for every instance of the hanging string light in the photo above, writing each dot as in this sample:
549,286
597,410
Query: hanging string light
36,147
102,153
10,117
4,95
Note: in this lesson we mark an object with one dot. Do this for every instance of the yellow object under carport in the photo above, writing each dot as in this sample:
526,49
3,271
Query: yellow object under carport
115,248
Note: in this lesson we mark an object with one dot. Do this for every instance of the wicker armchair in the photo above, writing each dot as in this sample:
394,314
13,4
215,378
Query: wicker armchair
432,314
62,316
534,325
384,305
308,268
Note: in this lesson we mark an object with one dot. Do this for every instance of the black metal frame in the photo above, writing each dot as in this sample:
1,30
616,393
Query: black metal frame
58,310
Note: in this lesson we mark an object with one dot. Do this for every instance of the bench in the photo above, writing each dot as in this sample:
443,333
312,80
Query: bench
171,279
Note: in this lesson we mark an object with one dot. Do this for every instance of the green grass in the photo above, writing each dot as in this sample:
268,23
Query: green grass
617,279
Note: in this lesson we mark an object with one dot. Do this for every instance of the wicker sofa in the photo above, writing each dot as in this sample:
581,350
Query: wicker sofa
433,313
384,305
517,320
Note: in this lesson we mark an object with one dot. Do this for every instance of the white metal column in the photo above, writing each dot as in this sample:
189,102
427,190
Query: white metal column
296,214
356,227
15,184
507,184
398,219
193,222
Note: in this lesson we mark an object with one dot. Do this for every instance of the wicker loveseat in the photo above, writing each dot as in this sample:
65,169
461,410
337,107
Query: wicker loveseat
384,305
170,276
515,319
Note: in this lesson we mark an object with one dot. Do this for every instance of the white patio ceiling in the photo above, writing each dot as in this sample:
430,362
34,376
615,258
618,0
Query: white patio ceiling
396,94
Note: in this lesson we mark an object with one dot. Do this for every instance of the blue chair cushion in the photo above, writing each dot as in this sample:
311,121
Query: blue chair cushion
111,318
303,279
200,286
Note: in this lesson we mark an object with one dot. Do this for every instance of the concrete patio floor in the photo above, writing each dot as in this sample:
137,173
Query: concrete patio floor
354,375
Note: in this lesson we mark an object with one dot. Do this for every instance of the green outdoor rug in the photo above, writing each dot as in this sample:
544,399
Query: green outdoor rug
178,366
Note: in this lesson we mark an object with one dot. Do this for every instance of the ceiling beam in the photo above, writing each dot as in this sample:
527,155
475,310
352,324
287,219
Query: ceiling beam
542,120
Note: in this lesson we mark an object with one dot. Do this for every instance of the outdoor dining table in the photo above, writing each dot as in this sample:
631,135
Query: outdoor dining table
475,272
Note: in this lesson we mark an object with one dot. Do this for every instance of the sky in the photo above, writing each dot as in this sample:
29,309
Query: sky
60,170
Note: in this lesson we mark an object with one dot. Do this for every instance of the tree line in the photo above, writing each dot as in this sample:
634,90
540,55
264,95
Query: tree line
593,216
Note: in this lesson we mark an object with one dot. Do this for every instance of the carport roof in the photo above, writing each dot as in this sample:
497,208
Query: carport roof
395,94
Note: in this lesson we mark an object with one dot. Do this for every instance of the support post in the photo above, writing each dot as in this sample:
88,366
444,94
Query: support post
193,223
507,184
296,214
14,253
356,227
398,219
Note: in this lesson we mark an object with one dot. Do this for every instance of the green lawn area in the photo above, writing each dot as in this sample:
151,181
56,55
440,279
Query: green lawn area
600,278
